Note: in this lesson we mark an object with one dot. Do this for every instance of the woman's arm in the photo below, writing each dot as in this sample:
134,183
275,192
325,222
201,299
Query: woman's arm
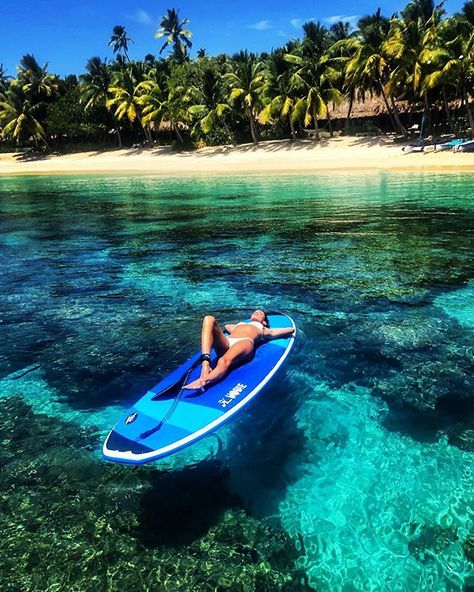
230,328
269,334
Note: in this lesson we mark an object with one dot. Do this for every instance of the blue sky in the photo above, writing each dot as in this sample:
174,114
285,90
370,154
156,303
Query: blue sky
67,33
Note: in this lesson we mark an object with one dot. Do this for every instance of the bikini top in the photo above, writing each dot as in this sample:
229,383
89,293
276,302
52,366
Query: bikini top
255,324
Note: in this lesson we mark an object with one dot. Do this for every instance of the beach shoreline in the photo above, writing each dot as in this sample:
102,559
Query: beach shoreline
351,154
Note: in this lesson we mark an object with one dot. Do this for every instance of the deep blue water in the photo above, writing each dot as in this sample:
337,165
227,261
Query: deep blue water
363,447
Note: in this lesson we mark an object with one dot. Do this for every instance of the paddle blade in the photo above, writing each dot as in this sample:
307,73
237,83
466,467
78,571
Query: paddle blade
171,391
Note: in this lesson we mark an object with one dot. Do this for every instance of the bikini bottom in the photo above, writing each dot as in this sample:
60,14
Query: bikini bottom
233,340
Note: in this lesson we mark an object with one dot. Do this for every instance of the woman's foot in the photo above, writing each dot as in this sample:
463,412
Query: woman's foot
205,370
200,382
195,385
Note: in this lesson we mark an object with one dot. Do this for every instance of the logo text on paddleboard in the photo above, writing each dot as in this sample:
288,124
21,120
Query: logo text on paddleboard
131,418
232,394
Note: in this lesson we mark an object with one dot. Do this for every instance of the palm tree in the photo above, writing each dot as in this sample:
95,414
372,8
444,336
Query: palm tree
411,45
316,40
149,60
94,88
467,12
125,94
19,117
95,83
176,35
208,104
119,40
278,92
317,80
151,98
340,30
3,79
162,105
246,85
453,63
368,67
341,55
35,80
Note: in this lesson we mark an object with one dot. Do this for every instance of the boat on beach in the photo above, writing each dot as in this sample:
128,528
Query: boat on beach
467,146
408,149
456,145
451,145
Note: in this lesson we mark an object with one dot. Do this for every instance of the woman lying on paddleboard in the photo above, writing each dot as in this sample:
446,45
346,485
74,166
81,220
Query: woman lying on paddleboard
235,349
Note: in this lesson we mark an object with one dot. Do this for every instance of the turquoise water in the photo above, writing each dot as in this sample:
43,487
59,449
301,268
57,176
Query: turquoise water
359,457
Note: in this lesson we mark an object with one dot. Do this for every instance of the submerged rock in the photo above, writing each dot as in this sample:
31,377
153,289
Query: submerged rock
430,542
72,522
435,375
468,547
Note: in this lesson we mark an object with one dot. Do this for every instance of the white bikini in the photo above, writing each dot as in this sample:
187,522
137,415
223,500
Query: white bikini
233,340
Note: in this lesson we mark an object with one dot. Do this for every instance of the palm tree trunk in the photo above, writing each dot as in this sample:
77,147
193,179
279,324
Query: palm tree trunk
389,110
117,129
178,134
427,111
316,125
468,110
44,140
229,134
292,128
392,111
147,131
253,127
331,133
348,116
400,125
446,108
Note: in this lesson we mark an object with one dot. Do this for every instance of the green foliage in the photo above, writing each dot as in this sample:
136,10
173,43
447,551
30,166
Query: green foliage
119,40
20,119
421,56
246,82
176,35
38,85
67,118
3,79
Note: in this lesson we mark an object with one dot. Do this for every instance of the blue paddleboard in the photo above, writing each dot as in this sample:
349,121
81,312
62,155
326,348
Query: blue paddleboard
161,423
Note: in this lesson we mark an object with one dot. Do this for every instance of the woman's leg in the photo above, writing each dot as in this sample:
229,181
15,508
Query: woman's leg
238,353
212,336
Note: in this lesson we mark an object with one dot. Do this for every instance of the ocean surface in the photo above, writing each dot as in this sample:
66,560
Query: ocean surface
352,471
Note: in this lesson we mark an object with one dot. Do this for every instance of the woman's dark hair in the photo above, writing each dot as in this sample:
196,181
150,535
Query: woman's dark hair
266,318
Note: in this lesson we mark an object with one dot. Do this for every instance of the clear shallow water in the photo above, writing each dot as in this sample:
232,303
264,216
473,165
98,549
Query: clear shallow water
363,449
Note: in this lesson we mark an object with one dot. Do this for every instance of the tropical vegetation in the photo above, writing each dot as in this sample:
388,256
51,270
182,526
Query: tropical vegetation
419,63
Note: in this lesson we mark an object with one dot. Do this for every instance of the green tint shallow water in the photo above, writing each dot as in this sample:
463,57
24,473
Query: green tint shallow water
362,450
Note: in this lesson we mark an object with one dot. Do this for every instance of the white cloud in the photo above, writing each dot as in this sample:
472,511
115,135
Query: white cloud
352,19
142,17
261,26
297,23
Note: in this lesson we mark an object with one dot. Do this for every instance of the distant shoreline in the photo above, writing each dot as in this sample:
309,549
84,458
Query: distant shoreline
341,154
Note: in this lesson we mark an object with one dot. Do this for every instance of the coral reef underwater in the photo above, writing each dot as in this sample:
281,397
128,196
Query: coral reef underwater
71,522
352,472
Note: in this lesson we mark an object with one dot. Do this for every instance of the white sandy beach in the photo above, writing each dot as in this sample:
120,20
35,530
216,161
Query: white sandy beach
341,153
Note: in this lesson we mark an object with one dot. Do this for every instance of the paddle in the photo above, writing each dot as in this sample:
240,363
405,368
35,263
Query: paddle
175,390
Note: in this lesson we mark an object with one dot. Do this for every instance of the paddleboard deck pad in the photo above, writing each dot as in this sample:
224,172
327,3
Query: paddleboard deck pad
163,421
